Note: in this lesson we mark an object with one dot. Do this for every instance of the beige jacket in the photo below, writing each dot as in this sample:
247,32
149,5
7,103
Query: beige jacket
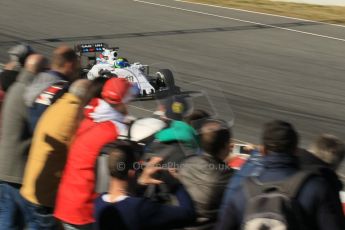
48,152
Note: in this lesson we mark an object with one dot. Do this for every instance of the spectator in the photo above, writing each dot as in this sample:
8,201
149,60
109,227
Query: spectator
325,156
252,167
327,151
95,89
49,86
178,139
321,209
141,132
308,161
48,155
103,123
173,143
18,55
15,143
197,118
118,210
205,176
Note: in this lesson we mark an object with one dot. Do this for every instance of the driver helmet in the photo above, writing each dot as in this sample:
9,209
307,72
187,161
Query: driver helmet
121,63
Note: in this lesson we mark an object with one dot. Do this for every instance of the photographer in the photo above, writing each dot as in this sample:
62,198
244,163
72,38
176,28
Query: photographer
118,210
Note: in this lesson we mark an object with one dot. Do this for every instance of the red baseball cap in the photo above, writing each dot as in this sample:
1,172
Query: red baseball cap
117,91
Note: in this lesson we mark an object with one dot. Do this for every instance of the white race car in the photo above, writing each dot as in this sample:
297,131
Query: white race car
98,57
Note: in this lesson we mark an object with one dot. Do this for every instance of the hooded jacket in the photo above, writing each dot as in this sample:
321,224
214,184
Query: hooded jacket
101,125
178,131
174,143
308,161
48,152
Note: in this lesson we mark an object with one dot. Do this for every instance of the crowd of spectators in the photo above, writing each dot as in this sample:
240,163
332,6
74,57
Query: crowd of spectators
72,157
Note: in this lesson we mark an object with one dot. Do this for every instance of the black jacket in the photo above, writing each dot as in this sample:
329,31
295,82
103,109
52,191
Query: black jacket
310,162
7,78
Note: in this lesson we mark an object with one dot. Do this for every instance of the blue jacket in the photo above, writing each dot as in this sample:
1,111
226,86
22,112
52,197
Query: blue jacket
322,209
135,213
252,167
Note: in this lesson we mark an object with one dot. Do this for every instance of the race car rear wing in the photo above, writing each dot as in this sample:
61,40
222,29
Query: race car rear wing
81,49
88,53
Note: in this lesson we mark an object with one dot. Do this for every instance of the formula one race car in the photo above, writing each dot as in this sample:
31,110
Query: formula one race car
96,59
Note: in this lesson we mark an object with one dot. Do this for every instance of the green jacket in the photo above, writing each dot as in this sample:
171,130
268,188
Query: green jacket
179,131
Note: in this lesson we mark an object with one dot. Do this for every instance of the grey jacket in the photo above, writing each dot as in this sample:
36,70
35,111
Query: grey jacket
15,136
205,178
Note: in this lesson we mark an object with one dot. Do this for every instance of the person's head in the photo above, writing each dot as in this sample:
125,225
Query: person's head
215,138
80,88
279,137
118,92
121,160
19,53
197,118
175,107
329,149
36,63
65,61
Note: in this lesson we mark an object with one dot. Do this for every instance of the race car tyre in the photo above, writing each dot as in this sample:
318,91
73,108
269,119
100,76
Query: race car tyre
167,76
166,80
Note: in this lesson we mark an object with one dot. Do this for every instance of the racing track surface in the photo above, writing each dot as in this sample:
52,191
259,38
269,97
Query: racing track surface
265,67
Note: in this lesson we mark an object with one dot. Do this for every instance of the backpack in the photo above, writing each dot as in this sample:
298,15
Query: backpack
273,206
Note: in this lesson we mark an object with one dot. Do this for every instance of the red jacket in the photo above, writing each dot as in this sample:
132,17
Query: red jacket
101,125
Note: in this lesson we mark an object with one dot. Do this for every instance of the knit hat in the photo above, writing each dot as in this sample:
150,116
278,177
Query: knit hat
20,53
118,90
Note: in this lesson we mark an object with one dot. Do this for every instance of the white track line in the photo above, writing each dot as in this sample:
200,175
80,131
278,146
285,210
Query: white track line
256,12
140,108
240,20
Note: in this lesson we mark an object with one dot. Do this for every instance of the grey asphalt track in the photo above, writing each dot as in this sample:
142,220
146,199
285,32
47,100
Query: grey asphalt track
263,67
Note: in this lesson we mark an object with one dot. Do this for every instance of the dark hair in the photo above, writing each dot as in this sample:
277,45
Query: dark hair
279,136
121,159
215,136
197,118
